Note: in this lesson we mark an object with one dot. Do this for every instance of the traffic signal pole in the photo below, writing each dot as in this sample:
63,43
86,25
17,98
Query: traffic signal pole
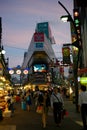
75,67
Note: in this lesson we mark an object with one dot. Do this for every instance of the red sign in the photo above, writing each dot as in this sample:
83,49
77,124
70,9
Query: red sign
38,37
83,70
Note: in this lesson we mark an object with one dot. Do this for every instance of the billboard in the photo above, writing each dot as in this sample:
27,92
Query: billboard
66,55
43,27
39,45
38,37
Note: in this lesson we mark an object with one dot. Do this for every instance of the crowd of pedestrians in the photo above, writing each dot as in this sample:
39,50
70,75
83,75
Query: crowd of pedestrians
50,99
47,100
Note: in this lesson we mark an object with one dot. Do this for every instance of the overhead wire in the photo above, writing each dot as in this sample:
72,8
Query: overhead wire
14,47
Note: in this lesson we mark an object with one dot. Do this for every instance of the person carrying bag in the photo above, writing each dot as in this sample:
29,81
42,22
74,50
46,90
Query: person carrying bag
57,105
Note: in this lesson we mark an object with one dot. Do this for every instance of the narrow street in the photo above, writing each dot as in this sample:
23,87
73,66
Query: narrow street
25,120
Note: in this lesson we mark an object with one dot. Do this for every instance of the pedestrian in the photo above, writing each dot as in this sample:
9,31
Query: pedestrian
12,102
57,105
35,96
28,100
82,103
46,105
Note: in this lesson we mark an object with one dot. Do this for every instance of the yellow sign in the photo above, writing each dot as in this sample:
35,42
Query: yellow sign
83,80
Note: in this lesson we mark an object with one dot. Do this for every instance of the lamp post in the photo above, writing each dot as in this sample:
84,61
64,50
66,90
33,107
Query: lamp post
76,43
2,51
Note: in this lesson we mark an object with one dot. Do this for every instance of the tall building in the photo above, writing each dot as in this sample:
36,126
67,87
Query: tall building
40,53
82,6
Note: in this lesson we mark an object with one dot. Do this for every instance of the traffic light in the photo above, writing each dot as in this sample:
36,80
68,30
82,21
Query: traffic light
78,26
76,17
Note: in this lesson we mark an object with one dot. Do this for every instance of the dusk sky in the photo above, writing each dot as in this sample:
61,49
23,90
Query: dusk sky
19,19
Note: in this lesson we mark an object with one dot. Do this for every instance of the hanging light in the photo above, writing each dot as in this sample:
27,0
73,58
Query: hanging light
2,51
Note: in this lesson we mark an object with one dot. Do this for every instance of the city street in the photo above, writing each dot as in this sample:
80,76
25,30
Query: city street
43,45
25,120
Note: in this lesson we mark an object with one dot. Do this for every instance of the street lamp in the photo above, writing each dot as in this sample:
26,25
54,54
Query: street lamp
67,18
2,51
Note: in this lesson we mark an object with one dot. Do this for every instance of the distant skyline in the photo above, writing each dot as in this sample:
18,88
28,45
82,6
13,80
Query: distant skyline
19,19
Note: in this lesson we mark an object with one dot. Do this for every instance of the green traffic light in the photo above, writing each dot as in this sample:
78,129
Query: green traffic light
77,22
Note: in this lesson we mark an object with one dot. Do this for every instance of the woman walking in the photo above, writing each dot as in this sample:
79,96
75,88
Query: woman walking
44,102
28,100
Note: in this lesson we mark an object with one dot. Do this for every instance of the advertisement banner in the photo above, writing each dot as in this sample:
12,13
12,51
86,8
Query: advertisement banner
66,55
39,45
38,37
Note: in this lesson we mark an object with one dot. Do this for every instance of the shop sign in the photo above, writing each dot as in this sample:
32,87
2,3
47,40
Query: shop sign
83,80
11,71
38,37
39,45
66,55
25,71
82,71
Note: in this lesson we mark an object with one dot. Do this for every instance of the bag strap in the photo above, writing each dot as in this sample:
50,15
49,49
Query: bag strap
56,97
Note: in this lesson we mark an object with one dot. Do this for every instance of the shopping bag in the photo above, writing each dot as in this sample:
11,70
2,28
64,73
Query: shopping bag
39,109
23,105
64,113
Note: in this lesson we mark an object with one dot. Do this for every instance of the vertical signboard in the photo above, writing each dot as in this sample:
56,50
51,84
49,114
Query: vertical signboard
66,55
39,39
43,27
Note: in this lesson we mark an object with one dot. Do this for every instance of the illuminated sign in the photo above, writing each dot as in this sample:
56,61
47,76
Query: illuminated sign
11,71
38,37
25,71
66,55
18,71
43,27
83,80
39,45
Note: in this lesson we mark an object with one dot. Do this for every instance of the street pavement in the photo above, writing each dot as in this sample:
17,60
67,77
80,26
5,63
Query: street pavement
30,120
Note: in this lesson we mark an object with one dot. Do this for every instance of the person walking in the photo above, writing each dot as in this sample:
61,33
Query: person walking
46,105
43,106
82,103
35,96
28,100
57,105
